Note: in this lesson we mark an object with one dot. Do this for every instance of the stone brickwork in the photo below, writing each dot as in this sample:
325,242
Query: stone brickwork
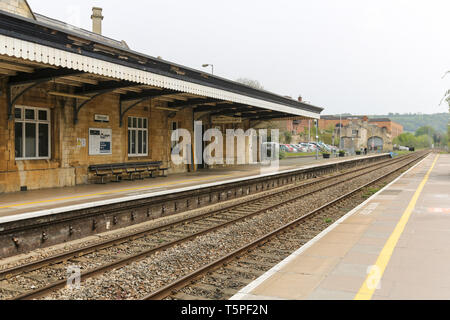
19,7
394,128
69,161
328,122
356,135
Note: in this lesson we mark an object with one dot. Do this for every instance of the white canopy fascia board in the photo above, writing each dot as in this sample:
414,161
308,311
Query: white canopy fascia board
39,53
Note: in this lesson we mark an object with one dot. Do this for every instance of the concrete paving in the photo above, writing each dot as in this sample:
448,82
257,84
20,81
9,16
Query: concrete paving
377,251
37,200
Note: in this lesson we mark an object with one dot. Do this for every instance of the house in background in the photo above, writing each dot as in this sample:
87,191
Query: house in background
327,122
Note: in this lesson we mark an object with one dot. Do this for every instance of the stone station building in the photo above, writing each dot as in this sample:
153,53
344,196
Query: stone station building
71,98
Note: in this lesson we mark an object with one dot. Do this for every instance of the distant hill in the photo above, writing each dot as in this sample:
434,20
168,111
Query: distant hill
412,122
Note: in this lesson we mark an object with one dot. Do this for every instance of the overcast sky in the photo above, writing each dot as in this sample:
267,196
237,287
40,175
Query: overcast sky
355,56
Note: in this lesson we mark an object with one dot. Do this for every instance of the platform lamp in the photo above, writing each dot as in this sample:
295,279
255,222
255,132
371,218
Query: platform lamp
340,132
209,65
317,138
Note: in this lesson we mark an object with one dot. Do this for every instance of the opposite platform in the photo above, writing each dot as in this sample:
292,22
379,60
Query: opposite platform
48,201
396,245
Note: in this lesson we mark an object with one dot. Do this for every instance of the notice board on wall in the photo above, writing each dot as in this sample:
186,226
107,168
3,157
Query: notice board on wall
100,142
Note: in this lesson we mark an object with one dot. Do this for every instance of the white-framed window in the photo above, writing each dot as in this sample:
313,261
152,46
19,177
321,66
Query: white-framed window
32,133
137,137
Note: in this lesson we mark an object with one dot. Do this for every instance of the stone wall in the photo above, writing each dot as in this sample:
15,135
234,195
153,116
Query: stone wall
356,134
19,7
69,161
394,128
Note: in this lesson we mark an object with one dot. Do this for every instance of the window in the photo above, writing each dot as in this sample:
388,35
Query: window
137,137
32,133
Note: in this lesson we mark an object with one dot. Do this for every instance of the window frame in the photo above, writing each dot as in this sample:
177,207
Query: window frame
130,129
37,122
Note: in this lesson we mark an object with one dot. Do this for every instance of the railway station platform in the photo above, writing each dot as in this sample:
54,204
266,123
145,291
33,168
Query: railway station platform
16,204
394,246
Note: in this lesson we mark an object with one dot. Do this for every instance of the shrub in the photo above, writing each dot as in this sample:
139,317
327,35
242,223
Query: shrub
287,137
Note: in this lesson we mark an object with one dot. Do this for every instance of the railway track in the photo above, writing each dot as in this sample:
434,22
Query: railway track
74,223
243,265
125,250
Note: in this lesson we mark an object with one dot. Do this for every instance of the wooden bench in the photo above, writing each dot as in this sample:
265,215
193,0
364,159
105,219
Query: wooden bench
149,168
131,169
101,171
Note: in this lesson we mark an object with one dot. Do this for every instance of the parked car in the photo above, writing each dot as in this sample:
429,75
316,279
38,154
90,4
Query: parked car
312,146
308,148
296,148
301,148
288,147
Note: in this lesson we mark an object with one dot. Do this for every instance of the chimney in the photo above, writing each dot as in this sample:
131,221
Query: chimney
300,99
97,20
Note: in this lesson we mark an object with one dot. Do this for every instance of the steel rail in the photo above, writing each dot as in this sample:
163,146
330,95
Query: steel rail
186,280
110,209
126,261
32,266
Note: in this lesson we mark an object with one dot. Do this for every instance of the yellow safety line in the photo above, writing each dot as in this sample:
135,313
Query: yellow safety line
113,192
369,286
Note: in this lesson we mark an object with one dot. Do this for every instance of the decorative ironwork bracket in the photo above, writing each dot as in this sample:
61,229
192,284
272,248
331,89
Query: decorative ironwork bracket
123,111
79,105
13,93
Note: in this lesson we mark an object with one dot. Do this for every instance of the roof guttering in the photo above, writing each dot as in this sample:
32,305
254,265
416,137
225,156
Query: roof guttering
40,42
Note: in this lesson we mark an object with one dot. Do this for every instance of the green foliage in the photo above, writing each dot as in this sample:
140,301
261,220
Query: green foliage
370,192
282,155
405,139
287,137
424,137
410,140
300,154
412,122
326,137
448,135
425,130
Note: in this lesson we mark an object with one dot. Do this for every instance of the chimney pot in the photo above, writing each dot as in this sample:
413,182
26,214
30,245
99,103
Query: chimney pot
300,99
97,18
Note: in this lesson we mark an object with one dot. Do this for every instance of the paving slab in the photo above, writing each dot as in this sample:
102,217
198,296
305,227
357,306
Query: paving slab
347,256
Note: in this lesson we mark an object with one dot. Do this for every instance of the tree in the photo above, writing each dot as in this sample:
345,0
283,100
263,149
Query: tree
406,140
448,136
251,83
425,130
424,137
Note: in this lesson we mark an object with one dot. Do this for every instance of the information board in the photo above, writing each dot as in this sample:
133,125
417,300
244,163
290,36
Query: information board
100,142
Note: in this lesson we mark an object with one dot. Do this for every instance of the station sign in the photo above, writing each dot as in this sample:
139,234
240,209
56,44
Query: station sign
225,120
101,118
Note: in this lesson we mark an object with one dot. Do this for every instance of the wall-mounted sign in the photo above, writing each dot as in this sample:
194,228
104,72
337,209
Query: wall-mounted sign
100,142
101,118
81,142
225,120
